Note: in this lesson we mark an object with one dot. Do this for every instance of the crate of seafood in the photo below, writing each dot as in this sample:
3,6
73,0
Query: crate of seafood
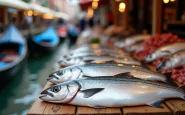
96,79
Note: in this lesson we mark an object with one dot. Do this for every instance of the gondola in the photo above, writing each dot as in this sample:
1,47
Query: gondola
13,50
44,42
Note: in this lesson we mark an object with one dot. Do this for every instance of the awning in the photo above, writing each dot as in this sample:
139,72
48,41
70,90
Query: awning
41,9
61,15
18,4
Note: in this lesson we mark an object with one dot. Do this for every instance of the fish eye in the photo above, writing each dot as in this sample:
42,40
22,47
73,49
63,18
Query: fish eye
56,89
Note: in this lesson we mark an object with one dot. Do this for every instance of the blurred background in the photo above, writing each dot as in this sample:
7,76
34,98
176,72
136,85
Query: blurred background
35,34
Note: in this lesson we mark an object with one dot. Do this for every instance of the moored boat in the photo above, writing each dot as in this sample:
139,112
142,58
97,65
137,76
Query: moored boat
13,50
44,42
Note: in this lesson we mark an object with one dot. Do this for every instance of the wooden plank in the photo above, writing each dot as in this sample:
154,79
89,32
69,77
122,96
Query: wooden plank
59,109
176,106
146,110
106,111
39,106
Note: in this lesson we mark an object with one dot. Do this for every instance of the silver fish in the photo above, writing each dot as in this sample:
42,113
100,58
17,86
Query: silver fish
137,46
133,39
117,91
97,50
93,59
81,54
175,60
103,69
165,50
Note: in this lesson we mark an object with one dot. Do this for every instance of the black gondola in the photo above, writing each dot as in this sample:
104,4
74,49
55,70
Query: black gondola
44,42
13,50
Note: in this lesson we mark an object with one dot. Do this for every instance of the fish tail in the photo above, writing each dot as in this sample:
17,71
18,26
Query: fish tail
183,89
169,80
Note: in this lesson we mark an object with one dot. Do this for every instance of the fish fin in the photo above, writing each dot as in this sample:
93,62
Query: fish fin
111,61
169,79
96,106
143,64
90,92
127,74
88,61
156,104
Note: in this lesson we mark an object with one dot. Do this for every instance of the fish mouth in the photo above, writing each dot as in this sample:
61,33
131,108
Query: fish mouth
51,77
45,94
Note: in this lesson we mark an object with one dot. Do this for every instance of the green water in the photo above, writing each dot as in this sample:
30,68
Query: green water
20,93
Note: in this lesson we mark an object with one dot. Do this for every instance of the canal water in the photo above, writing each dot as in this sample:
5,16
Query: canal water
20,93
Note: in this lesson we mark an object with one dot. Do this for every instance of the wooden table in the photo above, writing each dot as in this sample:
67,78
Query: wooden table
171,107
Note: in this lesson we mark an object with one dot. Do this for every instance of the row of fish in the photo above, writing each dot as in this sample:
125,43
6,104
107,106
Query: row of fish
98,76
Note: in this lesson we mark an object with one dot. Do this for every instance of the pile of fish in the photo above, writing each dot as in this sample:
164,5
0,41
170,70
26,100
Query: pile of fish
98,76
166,52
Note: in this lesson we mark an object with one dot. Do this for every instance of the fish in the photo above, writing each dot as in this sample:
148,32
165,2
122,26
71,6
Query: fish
112,91
134,39
137,46
97,51
81,54
173,61
131,40
103,69
93,59
165,50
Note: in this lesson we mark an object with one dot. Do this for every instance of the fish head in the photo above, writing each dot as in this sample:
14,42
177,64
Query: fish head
60,76
67,61
167,64
157,54
150,57
61,93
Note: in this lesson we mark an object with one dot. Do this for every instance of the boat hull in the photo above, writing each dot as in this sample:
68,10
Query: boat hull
38,48
9,73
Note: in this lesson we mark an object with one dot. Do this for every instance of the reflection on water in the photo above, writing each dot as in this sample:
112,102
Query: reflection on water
20,93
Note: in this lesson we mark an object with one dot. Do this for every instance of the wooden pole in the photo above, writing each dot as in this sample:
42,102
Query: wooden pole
126,13
115,11
157,16
6,16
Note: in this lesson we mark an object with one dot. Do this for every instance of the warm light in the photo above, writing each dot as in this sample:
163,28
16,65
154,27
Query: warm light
172,0
30,13
122,7
35,13
117,0
94,5
47,16
95,0
90,12
166,1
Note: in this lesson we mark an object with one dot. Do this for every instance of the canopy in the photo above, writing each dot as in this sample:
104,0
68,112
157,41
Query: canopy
12,35
61,15
15,4
49,34
41,9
